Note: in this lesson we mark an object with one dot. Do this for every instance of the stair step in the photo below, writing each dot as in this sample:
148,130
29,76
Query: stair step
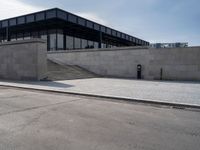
66,72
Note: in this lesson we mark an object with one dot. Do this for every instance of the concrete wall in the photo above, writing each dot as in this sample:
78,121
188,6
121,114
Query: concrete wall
23,60
176,63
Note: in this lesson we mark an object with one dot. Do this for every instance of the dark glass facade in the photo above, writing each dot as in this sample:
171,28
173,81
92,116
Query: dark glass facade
64,31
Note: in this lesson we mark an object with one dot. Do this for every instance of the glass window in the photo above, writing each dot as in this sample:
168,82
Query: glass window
1,38
123,35
131,38
118,34
27,35
72,18
81,21
103,29
96,45
40,16
96,26
134,40
69,42
60,41
109,46
103,45
19,36
62,14
13,37
21,20
114,32
34,35
84,44
5,23
44,37
30,18
138,41
108,31
51,14
42,32
127,37
4,38
52,41
12,22
89,24
90,44
77,43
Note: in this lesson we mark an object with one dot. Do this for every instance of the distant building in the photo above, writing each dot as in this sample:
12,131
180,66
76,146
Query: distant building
168,45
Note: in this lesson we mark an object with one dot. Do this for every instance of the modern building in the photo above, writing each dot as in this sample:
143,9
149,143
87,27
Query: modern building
64,31
168,45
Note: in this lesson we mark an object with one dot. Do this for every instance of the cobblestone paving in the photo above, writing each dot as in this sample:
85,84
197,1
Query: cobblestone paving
171,92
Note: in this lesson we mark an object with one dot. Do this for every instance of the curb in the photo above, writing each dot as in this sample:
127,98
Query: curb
139,101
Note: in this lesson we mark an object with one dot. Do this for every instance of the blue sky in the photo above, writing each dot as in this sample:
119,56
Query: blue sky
151,20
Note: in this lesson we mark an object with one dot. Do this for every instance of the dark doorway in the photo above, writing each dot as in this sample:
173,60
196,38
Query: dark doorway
139,71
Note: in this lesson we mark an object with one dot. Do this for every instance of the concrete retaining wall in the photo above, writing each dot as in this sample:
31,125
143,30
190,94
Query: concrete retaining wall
23,60
176,63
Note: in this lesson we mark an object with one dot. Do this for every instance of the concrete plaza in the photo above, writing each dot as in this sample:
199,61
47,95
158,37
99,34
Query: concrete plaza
35,120
157,91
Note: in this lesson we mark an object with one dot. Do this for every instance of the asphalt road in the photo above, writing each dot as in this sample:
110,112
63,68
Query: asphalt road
32,120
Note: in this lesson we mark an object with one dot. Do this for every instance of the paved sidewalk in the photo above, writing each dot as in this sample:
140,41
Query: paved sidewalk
169,92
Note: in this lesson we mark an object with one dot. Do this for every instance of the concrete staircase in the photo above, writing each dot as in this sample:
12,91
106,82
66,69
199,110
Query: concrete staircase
57,71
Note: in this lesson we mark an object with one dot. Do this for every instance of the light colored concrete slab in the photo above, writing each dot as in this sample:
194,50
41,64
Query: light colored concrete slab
23,60
177,63
170,92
